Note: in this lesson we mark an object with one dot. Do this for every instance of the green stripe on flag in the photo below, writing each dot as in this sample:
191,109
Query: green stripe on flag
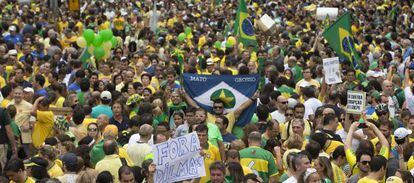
243,27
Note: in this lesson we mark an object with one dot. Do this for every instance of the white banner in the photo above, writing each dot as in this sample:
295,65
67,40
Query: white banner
332,70
178,159
355,102
322,12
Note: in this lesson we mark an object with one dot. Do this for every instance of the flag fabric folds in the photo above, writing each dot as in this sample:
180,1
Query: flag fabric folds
243,26
340,39
232,90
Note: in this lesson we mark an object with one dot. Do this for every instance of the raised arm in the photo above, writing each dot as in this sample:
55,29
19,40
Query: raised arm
188,99
35,105
407,73
245,105
384,141
349,137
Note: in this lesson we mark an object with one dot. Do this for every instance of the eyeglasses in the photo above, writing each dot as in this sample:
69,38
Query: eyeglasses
381,113
365,162
217,107
288,114
286,102
342,119
92,129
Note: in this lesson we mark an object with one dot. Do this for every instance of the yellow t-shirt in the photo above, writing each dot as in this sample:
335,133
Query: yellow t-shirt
212,155
5,102
62,26
2,82
87,121
339,175
60,101
367,180
55,171
246,170
119,23
230,116
105,78
28,180
104,25
43,127
67,41
410,163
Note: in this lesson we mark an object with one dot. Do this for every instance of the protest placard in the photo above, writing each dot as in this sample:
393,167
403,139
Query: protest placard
323,12
355,102
178,159
332,70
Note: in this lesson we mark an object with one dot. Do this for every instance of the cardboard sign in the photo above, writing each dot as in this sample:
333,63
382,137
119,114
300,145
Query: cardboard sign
178,159
265,23
322,12
355,102
332,70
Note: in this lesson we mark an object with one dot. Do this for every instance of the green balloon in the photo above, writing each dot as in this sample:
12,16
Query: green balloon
181,37
187,30
97,42
89,36
114,42
106,34
228,45
217,45
99,53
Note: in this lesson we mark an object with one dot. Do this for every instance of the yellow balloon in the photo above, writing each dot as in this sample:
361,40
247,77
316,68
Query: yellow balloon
231,40
120,41
107,46
91,49
107,55
81,42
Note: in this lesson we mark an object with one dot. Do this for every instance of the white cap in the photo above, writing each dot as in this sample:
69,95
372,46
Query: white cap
374,74
12,52
106,95
28,90
12,28
292,102
401,133
210,61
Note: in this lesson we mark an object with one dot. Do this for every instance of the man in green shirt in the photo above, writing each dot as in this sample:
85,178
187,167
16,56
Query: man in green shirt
258,159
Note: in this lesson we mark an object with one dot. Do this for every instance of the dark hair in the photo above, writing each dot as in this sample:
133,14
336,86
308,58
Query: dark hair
232,153
110,147
338,152
217,165
14,165
39,171
125,169
78,115
308,92
201,128
80,73
320,138
250,176
225,120
328,119
262,112
84,85
236,171
313,148
104,177
378,162
83,152
40,79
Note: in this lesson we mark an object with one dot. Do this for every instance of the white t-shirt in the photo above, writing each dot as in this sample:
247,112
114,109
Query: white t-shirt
291,180
310,107
135,138
409,98
279,117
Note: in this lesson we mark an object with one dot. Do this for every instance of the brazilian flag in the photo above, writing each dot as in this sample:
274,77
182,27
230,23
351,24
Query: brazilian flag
340,39
179,55
243,27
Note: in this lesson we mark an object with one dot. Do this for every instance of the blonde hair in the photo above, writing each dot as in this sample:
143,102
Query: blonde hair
88,175
294,141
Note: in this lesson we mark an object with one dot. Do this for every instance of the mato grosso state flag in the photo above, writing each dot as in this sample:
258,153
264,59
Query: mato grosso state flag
243,26
232,90
340,39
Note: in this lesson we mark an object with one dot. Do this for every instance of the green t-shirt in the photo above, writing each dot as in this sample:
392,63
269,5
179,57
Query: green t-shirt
214,134
297,73
260,161
15,128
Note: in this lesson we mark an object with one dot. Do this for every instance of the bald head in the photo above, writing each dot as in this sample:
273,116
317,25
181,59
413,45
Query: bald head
145,131
110,147
327,111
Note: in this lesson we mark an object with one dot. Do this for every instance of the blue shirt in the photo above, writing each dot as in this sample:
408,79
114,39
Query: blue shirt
74,87
41,92
229,137
17,38
122,125
101,109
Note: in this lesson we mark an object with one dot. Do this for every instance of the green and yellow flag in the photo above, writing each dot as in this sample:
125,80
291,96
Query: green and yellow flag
243,26
340,39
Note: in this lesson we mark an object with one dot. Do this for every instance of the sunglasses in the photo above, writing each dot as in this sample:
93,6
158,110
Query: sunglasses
284,102
365,162
218,107
381,113
288,114
93,129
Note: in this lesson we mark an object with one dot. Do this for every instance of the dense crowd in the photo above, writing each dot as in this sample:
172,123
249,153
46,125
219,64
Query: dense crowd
67,119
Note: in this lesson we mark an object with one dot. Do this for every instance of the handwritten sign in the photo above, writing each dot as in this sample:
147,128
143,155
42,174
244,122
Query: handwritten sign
332,70
178,159
356,102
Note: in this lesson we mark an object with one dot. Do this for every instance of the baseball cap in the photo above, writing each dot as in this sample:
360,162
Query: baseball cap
111,130
69,159
394,179
12,28
28,90
12,52
106,95
210,61
401,133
